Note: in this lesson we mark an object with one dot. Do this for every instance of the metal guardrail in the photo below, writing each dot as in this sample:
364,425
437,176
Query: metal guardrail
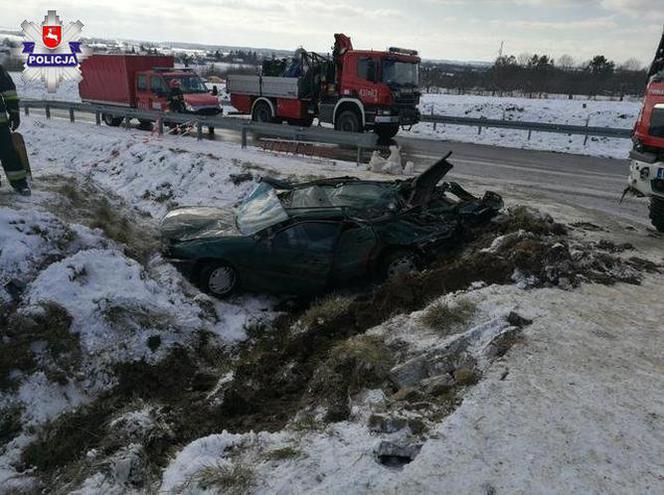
584,130
312,134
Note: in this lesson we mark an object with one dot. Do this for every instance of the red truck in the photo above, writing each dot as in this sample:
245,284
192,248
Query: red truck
355,90
141,81
646,176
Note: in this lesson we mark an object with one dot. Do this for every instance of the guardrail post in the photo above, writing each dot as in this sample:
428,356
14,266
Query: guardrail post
71,114
434,122
359,156
585,140
530,133
127,118
26,109
479,130
160,126
199,130
244,137
97,117
47,110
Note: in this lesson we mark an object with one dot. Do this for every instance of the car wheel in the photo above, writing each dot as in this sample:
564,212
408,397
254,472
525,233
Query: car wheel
397,263
218,279
262,112
348,121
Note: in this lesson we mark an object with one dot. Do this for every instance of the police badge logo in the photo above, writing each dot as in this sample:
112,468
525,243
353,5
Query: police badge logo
54,51
51,36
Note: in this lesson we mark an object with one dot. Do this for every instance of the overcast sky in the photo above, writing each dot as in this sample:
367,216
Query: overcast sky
441,29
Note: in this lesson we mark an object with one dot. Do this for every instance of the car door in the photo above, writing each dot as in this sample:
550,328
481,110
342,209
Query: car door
355,251
297,259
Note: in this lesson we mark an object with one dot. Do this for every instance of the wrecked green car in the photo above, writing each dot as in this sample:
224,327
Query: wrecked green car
306,238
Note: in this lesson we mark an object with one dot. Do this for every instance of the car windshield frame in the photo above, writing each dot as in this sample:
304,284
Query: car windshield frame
260,210
189,84
399,73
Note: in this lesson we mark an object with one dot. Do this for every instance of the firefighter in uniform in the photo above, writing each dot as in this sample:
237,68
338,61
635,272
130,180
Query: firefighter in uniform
9,121
176,97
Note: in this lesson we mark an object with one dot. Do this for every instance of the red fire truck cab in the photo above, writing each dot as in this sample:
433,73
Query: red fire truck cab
141,81
355,90
646,177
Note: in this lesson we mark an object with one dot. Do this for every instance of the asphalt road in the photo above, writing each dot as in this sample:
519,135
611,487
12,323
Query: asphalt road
581,181
584,182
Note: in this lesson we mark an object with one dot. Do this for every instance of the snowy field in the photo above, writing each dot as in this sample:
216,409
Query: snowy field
576,112
563,111
554,387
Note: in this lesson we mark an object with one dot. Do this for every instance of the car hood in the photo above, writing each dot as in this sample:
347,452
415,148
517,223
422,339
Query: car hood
201,99
183,224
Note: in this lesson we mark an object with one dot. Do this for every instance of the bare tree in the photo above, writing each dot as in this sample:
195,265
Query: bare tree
524,59
631,64
566,62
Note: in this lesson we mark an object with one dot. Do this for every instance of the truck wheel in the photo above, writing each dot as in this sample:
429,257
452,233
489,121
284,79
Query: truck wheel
386,131
657,213
218,279
348,121
262,112
110,120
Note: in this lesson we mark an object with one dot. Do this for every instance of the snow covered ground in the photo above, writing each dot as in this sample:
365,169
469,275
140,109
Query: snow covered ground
575,112
574,406
563,111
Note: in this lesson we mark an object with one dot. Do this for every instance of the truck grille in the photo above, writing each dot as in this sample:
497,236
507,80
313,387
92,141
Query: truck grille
407,100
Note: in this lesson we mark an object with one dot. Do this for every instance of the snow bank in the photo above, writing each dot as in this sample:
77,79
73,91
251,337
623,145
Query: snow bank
36,90
28,238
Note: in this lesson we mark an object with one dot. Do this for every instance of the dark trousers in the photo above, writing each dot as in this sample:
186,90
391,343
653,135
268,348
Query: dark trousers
10,160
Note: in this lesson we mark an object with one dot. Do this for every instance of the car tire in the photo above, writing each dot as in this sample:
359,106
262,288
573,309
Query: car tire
218,279
111,121
657,213
348,121
262,112
399,262
385,132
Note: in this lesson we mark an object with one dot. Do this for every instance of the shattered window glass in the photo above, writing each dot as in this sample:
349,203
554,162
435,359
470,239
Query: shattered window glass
348,196
260,210
360,195
310,197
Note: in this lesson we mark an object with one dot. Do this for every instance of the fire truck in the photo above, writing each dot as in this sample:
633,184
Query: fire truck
141,81
646,177
355,90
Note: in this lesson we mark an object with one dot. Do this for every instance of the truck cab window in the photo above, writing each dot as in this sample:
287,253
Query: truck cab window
142,82
657,121
157,84
366,69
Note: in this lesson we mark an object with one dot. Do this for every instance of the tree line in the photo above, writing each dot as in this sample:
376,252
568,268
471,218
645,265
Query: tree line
533,74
